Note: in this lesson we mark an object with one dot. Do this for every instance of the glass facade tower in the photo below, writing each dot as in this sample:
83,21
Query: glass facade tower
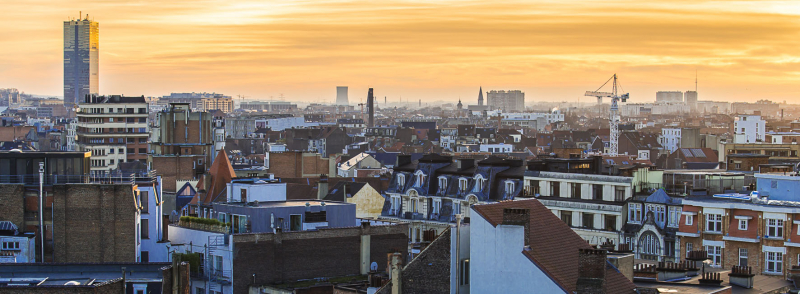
81,59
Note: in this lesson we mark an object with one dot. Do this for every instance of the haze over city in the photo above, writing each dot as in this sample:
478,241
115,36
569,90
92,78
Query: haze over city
440,50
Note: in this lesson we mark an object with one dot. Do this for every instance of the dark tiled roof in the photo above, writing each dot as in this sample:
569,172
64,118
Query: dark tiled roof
338,190
554,246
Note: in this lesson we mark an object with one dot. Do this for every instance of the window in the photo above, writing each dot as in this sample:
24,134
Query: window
401,180
619,194
774,228
649,246
658,213
145,256
715,255
597,192
420,179
111,151
480,183
243,195
576,190
774,262
689,219
396,203
465,272
437,206
674,216
742,256
110,161
295,222
566,216
10,245
442,185
145,229
533,188
555,189
714,223
610,222
634,212
130,150
144,200
588,220
743,225
509,188
688,248
142,140
462,185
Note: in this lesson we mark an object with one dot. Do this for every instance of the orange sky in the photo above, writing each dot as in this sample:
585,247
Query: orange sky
429,50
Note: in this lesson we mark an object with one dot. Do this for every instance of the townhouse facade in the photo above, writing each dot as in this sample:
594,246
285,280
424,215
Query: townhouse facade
430,193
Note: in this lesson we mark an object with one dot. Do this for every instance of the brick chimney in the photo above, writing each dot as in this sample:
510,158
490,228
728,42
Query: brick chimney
518,217
396,274
591,271
322,187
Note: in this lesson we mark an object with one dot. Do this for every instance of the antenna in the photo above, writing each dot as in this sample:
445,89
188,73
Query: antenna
695,80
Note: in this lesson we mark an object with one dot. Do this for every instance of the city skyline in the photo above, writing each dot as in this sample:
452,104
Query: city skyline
741,51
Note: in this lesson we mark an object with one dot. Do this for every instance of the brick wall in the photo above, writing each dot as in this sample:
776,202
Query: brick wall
12,204
174,168
283,257
297,164
94,223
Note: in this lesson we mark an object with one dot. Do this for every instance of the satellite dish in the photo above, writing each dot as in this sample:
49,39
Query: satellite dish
373,266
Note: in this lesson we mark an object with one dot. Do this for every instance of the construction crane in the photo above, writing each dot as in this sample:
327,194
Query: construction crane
613,118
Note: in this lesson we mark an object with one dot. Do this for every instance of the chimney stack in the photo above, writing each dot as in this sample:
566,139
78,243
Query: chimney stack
397,267
371,108
465,163
402,160
518,217
591,271
322,187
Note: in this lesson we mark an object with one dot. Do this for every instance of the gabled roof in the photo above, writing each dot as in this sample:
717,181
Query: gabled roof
222,173
659,196
339,190
553,245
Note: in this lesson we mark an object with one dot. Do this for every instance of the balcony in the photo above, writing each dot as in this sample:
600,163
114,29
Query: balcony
413,216
530,191
220,276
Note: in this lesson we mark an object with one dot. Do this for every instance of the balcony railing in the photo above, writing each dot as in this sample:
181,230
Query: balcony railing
220,276
530,191
73,179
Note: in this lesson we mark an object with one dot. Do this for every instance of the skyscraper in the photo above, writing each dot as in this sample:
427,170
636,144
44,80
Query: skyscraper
81,59
341,95
480,96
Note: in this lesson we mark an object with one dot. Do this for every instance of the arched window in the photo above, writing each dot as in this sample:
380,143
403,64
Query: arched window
401,180
420,178
480,183
649,246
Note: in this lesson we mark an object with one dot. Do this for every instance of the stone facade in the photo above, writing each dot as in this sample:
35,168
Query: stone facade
94,223
429,272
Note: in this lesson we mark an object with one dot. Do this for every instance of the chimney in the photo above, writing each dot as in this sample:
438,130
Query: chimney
518,217
465,163
402,160
322,187
397,266
591,271
371,108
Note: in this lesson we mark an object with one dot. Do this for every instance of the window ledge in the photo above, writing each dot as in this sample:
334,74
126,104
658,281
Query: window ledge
712,232
772,273
773,238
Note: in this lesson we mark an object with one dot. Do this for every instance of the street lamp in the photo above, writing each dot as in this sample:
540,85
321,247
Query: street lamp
41,207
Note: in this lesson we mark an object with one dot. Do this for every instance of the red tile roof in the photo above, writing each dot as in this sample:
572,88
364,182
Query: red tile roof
222,173
554,246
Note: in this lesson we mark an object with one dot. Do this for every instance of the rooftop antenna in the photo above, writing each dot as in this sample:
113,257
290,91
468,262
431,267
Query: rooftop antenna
695,80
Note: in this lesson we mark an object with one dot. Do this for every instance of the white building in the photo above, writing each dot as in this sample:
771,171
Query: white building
671,139
153,246
497,148
536,121
592,205
280,124
16,247
748,129
669,96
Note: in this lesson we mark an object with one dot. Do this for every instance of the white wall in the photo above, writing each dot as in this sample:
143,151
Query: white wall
257,192
749,129
497,264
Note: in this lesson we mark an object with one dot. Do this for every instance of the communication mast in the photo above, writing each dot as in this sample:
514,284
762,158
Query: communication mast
614,118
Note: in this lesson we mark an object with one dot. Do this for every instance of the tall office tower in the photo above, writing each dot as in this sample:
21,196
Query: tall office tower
507,101
81,59
691,100
480,96
341,95
371,108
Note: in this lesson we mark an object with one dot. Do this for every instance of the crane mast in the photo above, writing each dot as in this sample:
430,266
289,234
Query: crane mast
614,117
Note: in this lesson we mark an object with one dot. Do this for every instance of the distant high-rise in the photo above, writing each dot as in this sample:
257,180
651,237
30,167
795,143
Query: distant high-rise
480,96
341,95
81,59
669,96
691,99
507,101
371,108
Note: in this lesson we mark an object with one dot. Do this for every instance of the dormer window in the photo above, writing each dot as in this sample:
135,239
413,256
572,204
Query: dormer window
480,183
401,180
442,184
420,178
462,185
509,187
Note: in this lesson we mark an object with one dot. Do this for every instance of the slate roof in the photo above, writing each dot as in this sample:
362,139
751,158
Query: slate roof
554,246
338,190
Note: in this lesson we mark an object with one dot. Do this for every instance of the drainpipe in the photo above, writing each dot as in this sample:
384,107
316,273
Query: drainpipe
458,253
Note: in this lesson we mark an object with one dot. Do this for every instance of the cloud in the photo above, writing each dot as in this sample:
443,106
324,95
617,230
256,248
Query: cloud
446,48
